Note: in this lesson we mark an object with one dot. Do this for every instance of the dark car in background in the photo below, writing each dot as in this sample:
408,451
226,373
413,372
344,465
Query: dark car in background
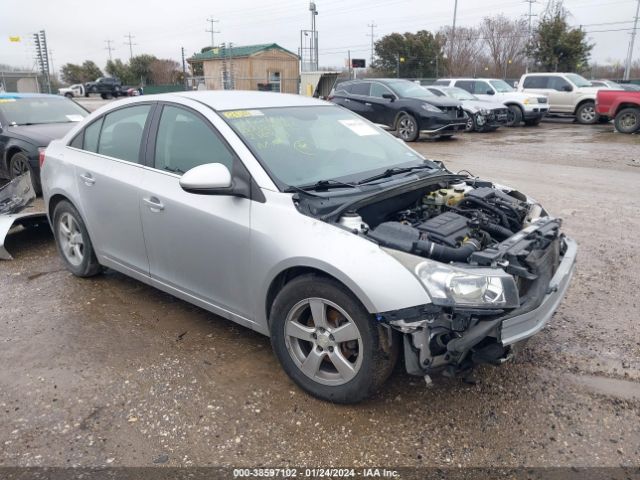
28,122
107,87
401,106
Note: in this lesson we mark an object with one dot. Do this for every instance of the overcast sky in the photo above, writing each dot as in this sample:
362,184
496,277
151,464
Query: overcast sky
77,29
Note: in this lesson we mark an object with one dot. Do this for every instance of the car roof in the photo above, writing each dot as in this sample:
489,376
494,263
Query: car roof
242,99
17,95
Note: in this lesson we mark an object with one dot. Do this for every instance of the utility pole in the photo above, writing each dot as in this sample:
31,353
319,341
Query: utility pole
455,16
349,62
211,21
109,47
314,36
184,71
130,43
53,70
531,15
627,68
371,25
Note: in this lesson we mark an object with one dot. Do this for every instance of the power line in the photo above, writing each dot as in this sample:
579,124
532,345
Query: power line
212,20
109,47
130,43
371,25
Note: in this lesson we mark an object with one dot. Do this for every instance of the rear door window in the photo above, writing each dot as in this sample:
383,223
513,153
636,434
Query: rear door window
360,88
121,134
465,85
537,81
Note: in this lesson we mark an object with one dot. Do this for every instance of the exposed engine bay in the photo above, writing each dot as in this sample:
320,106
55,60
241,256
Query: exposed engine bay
469,224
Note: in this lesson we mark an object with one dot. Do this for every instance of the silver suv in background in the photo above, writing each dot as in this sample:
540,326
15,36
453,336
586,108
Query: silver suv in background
523,107
307,223
568,93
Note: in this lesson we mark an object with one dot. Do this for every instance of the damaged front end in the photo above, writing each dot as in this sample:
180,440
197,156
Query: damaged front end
15,197
494,264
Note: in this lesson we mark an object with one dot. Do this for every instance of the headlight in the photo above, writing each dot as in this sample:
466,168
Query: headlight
484,111
461,287
430,108
450,286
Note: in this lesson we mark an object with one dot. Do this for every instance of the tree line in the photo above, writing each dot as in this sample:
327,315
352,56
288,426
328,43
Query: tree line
498,47
142,69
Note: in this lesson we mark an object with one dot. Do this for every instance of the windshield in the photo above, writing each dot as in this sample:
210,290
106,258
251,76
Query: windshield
578,80
303,145
35,110
501,86
410,89
458,93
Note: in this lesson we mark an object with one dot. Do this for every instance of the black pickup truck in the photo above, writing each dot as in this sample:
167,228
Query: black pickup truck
107,87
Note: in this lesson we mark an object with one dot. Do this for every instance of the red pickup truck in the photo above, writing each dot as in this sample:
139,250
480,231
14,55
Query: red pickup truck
621,105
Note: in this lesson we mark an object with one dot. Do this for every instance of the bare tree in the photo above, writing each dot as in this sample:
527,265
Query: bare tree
164,72
463,49
505,41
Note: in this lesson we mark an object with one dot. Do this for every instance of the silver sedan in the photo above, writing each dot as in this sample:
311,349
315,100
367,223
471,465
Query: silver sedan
307,223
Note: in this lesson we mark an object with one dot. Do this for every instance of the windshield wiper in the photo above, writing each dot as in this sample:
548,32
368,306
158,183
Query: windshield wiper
394,171
320,185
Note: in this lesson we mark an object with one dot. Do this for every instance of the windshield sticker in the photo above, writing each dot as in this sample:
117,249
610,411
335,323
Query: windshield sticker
7,100
243,113
74,118
359,127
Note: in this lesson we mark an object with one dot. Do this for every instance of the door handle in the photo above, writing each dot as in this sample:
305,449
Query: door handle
367,104
346,100
87,179
154,204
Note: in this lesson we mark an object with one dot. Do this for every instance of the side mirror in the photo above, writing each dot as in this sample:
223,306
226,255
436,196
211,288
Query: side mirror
389,96
208,179
567,88
490,92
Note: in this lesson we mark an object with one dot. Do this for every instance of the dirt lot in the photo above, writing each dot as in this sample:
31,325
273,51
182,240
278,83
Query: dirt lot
108,371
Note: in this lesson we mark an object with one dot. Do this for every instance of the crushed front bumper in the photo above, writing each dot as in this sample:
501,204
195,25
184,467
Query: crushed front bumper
523,326
15,197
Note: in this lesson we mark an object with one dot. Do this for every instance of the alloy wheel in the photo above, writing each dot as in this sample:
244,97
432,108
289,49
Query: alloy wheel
628,120
19,166
71,239
588,114
323,341
406,128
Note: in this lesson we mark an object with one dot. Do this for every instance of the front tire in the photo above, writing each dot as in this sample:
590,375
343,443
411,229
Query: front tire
19,164
408,129
533,122
327,342
73,242
586,113
471,123
628,120
68,95
514,116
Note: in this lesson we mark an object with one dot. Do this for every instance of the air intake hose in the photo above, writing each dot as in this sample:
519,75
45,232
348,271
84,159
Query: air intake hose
407,239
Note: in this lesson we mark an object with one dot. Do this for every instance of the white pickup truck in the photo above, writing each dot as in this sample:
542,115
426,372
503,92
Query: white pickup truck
568,93
76,90
522,106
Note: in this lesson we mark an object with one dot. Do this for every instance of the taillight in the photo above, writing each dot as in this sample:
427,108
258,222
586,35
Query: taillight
41,157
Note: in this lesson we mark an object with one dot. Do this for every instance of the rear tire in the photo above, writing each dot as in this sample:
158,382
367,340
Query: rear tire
628,120
407,128
586,113
73,242
308,318
514,117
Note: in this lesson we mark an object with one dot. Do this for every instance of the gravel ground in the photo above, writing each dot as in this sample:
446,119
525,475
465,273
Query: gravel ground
108,371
